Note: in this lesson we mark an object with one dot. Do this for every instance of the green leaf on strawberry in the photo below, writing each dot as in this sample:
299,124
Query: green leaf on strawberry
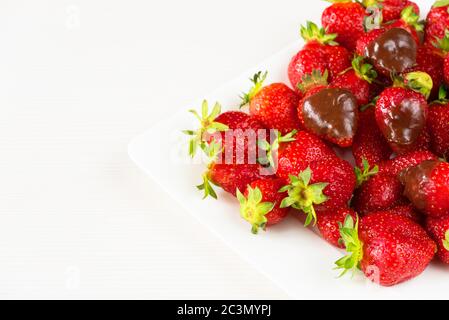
207,187
365,174
441,3
208,126
253,210
350,238
446,240
364,70
303,196
311,32
257,80
272,149
410,17
443,43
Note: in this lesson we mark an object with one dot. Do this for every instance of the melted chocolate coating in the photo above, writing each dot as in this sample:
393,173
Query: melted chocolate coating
416,180
405,122
331,112
395,51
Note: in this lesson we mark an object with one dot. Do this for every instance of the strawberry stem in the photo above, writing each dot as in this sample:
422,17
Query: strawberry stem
365,174
311,32
409,16
446,240
207,187
257,80
349,233
441,3
253,210
443,43
303,196
364,71
315,79
272,149
419,82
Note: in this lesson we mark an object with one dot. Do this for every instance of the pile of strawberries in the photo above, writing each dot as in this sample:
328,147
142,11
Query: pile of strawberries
372,84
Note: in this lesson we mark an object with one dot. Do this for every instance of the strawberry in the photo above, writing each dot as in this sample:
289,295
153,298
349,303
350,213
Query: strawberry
380,192
295,156
392,9
437,22
328,225
438,123
430,62
408,211
390,50
274,105
388,248
345,18
322,186
401,163
233,132
369,142
427,187
442,47
230,177
320,53
401,112
438,229
260,204
328,112
358,80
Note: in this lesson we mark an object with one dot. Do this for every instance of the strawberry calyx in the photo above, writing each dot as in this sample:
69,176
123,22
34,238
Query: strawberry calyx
371,3
441,3
443,43
420,82
366,173
303,196
208,125
364,71
253,210
257,80
409,16
271,150
349,232
311,32
315,79
207,187
442,96
446,240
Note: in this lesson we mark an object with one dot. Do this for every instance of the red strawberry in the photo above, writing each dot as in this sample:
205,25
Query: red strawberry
390,50
260,203
380,192
388,248
427,187
438,123
401,163
409,212
358,80
369,142
442,48
234,131
392,9
401,113
295,156
330,113
322,186
321,53
230,177
430,62
274,105
329,224
438,229
437,22
345,18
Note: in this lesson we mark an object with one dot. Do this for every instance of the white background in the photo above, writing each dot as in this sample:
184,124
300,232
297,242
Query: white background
79,79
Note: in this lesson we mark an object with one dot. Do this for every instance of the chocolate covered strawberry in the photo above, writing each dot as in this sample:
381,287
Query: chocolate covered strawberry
346,19
401,112
397,165
369,142
295,156
438,123
329,224
437,22
260,203
358,80
438,229
320,187
330,113
274,105
390,50
388,248
321,53
427,187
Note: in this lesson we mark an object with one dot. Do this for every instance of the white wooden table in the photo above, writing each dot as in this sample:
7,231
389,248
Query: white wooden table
79,79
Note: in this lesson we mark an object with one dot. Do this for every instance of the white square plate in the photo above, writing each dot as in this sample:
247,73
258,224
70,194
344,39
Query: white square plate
293,257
